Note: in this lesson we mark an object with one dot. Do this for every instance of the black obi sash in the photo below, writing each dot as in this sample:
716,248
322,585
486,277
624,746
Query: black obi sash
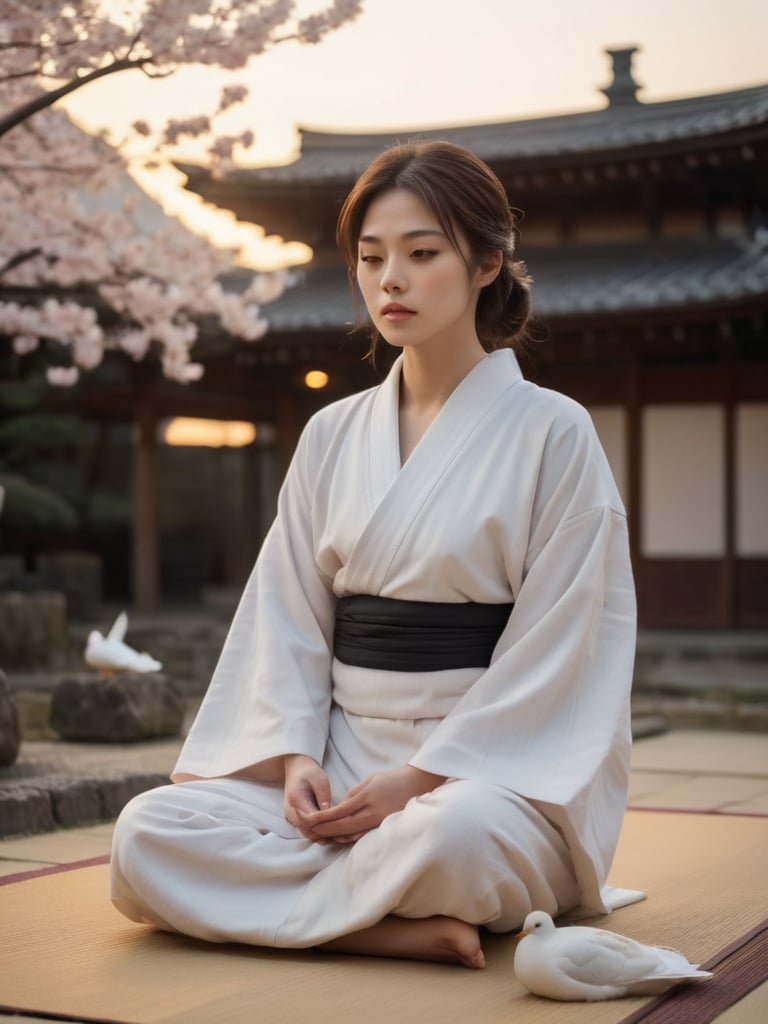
416,636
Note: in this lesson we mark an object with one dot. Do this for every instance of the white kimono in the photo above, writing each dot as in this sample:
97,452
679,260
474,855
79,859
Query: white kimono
507,498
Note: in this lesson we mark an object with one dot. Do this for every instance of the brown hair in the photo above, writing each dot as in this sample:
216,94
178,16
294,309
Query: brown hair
466,199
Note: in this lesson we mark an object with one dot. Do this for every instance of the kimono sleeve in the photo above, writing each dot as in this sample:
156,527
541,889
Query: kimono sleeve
270,693
550,717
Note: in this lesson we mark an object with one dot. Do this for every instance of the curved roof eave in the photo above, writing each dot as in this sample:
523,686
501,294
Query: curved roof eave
578,281
328,157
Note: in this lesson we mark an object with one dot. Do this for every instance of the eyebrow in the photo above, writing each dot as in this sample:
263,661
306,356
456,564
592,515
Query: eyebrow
416,233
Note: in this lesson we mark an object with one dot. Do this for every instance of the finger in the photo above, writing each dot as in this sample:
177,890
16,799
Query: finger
322,791
343,827
300,812
346,808
302,798
313,794
305,826
307,833
326,826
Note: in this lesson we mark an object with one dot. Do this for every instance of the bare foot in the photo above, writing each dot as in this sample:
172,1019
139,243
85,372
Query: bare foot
441,939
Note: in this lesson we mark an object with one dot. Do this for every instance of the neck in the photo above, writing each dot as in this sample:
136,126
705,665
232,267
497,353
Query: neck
430,374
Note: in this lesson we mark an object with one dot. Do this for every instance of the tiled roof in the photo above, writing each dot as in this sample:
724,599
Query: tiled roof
575,280
649,275
333,156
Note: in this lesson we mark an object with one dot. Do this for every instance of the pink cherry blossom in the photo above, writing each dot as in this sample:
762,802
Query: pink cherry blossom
79,272
24,343
63,376
135,343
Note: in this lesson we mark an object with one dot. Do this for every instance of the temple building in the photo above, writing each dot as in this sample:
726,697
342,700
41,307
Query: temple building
646,233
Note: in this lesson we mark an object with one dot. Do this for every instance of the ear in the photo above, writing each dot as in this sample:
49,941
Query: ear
489,268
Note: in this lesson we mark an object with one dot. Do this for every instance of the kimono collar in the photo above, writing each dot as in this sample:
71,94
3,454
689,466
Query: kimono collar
465,407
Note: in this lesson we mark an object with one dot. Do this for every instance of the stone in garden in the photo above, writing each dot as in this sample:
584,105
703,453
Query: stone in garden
10,733
33,629
122,709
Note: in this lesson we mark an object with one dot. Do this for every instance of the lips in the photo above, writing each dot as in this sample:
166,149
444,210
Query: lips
394,311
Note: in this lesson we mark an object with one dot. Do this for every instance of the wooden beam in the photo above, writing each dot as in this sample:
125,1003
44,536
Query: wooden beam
288,429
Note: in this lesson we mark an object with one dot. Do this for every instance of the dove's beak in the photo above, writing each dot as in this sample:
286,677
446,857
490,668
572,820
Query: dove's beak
523,933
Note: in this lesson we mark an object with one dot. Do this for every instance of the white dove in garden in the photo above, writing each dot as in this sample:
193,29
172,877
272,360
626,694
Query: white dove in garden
579,963
110,654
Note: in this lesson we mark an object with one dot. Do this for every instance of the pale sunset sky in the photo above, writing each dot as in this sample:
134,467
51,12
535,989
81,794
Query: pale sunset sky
427,63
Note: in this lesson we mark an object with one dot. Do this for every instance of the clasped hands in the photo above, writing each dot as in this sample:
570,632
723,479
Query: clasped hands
308,807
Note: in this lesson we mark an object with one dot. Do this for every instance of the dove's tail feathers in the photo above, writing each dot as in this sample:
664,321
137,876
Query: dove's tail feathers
674,964
662,983
119,628
146,663
692,972
655,986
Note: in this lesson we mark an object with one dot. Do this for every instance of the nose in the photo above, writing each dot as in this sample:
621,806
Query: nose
393,278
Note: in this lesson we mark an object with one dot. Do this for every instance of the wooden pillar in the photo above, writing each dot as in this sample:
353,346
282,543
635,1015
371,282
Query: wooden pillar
728,601
146,574
634,458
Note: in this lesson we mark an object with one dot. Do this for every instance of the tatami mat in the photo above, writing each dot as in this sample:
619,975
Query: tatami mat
699,770
68,952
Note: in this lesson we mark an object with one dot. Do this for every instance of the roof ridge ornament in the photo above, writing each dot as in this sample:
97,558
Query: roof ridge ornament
623,89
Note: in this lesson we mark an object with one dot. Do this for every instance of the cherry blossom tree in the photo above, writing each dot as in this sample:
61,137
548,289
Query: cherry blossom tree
78,274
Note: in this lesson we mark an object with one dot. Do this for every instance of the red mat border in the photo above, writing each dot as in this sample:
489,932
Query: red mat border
717,812
738,969
54,869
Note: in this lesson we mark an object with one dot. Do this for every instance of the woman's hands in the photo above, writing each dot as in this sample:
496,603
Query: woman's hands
306,790
363,808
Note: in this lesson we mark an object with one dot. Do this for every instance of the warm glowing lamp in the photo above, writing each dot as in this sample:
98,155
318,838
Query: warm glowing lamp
199,433
316,379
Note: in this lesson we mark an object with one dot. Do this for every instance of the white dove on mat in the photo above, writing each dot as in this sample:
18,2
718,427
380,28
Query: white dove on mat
110,654
579,963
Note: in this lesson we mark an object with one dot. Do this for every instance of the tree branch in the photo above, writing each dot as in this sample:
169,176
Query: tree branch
16,75
47,99
50,168
19,258
20,45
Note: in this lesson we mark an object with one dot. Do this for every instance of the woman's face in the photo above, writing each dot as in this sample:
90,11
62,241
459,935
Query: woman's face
417,288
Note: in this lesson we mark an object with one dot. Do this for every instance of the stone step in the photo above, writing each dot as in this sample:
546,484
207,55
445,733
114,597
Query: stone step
702,712
716,675
48,802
